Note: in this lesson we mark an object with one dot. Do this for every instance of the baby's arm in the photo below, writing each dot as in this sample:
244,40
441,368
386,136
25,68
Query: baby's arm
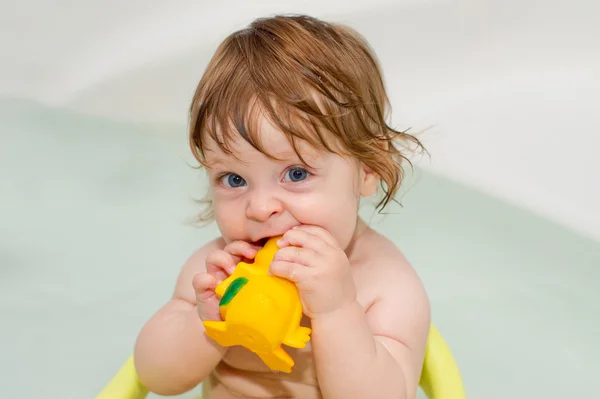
377,354
172,353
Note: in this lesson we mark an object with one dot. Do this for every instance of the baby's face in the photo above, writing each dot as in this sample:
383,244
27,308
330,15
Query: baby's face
259,197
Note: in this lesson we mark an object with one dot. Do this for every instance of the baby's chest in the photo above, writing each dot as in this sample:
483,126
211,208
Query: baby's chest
245,359
241,358
243,374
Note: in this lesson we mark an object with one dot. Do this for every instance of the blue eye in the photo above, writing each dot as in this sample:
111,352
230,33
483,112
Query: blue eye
233,180
296,174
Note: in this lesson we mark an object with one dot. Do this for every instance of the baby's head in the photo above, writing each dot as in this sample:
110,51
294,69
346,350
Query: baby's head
290,121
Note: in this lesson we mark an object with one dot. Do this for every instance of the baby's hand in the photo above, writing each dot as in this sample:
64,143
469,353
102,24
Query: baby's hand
220,264
313,260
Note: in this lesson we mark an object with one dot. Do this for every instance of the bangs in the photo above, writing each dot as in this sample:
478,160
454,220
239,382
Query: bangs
239,111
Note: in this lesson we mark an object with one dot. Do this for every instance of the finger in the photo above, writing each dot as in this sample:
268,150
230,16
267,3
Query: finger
288,270
297,254
241,249
219,261
207,302
319,232
304,239
204,286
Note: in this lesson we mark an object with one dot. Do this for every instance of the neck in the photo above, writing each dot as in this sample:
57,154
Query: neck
360,229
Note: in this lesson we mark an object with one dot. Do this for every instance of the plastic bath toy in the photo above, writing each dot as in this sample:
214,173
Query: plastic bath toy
260,312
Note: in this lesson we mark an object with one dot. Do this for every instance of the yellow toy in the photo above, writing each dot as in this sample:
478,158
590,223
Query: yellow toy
260,312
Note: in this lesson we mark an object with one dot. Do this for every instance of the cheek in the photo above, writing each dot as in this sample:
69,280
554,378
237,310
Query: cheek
228,217
343,229
342,210
335,211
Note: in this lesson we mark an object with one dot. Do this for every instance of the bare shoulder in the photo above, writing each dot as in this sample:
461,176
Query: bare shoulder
384,268
393,282
195,264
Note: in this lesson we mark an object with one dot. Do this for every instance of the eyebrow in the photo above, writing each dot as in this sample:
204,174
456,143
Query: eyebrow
284,156
217,162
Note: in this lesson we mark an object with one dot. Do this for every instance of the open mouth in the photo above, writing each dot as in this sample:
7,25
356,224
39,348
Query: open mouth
260,243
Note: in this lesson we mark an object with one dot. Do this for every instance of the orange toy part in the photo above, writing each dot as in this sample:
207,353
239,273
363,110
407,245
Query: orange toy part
260,312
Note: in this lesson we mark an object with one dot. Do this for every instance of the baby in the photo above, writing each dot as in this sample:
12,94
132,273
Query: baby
289,121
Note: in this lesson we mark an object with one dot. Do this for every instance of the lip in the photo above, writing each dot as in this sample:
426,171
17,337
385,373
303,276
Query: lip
262,240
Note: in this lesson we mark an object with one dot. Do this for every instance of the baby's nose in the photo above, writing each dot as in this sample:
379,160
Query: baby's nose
262,206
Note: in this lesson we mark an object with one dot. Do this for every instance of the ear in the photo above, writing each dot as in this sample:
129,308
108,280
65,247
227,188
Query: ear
368,181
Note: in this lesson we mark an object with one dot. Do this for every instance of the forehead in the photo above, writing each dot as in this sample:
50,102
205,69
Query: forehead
266,140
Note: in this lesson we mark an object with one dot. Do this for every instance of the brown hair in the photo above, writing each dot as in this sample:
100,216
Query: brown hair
311,79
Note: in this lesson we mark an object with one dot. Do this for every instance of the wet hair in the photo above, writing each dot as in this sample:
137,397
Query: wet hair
312,80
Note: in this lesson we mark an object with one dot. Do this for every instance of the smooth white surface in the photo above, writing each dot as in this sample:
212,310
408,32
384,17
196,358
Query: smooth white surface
512,88
93,233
